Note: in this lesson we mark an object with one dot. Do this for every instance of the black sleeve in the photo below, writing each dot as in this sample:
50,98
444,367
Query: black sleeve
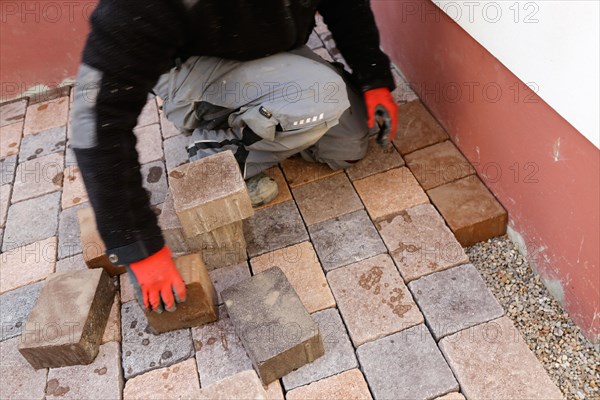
131,43
352,25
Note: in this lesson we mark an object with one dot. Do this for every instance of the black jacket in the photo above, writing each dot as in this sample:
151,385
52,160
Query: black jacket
133,42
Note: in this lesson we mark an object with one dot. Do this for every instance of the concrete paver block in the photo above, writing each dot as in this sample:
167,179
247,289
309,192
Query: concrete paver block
74,191
112,332
154,180
38,177
167,128
175,151
30,263
452,396
417,128
19,379
69,235
221,247
13,112
49,114
171,227
5,191
224,277
10,139
43,143
71,263
241,386
471,211
149,114
149,143
200,305
276,330
378,159
68,319
8,168
406,365
492,360
165,383
16,306
349,385
209,193
300,172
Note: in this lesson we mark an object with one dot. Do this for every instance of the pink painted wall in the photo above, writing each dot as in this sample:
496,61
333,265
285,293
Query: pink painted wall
543,170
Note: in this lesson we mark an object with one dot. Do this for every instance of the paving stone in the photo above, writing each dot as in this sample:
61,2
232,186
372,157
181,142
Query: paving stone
274,391
112,332
46,115
10,139
324,54
452,396
403,92
16,306
224,277
417,128
144,351
165,383
241,386
175,151
43,143
221,247
471,211
149,114
5,191
314,41
26,264
349,385
378,159
273,228
171,227
19,379
406,365
454,300
13,112
284,191
149,143
223,198
38,177
390,192
73,262
420,242
299,172
102,379
74,191
492,360
8,168
219,350
301,267
373,299
200,305
20,216
339,353
326,198
69,236
127,290
154,180
438,164
345,240
68,319
276,330
167,128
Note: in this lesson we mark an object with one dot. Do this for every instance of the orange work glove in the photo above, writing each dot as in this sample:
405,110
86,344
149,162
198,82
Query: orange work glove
382,108
157,281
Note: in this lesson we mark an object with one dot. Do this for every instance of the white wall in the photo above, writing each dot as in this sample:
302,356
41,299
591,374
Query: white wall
555,44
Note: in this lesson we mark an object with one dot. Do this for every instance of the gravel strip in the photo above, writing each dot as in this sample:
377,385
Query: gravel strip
569,358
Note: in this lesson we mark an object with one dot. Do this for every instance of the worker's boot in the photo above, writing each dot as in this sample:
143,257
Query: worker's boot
262,189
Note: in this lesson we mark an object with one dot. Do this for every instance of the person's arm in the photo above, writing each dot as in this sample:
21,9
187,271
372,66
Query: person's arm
131,43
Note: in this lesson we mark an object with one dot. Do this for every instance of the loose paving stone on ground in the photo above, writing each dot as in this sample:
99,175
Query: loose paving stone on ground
46,115
345,240
10,139
339,353
373,299
5,191
33,262
12,112
299,172
38,177
224,277
154,180
273,228
284,191
378,159
420,242
69,236
43,143
102,379
19,379
73,192
491,360
149,143
454,300
175,151
165,383
417,128
301,267
348,385
242,386
326,199
144,351
16,306
406,365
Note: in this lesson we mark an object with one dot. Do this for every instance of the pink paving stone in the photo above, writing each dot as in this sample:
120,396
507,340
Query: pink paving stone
390,192
5,191
167,128
149,143
102,379
13,112
326,199
46,115
349,385
299,172
10,139
224,277
301,267
164,383
112,332
27,264
241,386
420,242
284,191
492,360
377,160
38,177
274,391
74,192
373,299
417,128
452,396
149,114
19,379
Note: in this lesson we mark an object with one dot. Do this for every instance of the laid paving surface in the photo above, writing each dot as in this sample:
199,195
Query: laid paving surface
373,252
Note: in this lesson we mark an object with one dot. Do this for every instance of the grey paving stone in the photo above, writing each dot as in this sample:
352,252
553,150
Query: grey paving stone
224,277
175,151
8,168
43,143
39,176
406,365
13,112
5,191
274,227
219,350
154,180
339,353
345,240
69,235
15,307
72,262
142,350
454,299
31,220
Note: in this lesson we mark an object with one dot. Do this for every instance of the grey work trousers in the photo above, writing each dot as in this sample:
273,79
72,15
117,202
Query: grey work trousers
266,110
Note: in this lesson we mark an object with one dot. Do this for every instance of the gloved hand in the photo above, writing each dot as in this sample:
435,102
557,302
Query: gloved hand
382,107
157,282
